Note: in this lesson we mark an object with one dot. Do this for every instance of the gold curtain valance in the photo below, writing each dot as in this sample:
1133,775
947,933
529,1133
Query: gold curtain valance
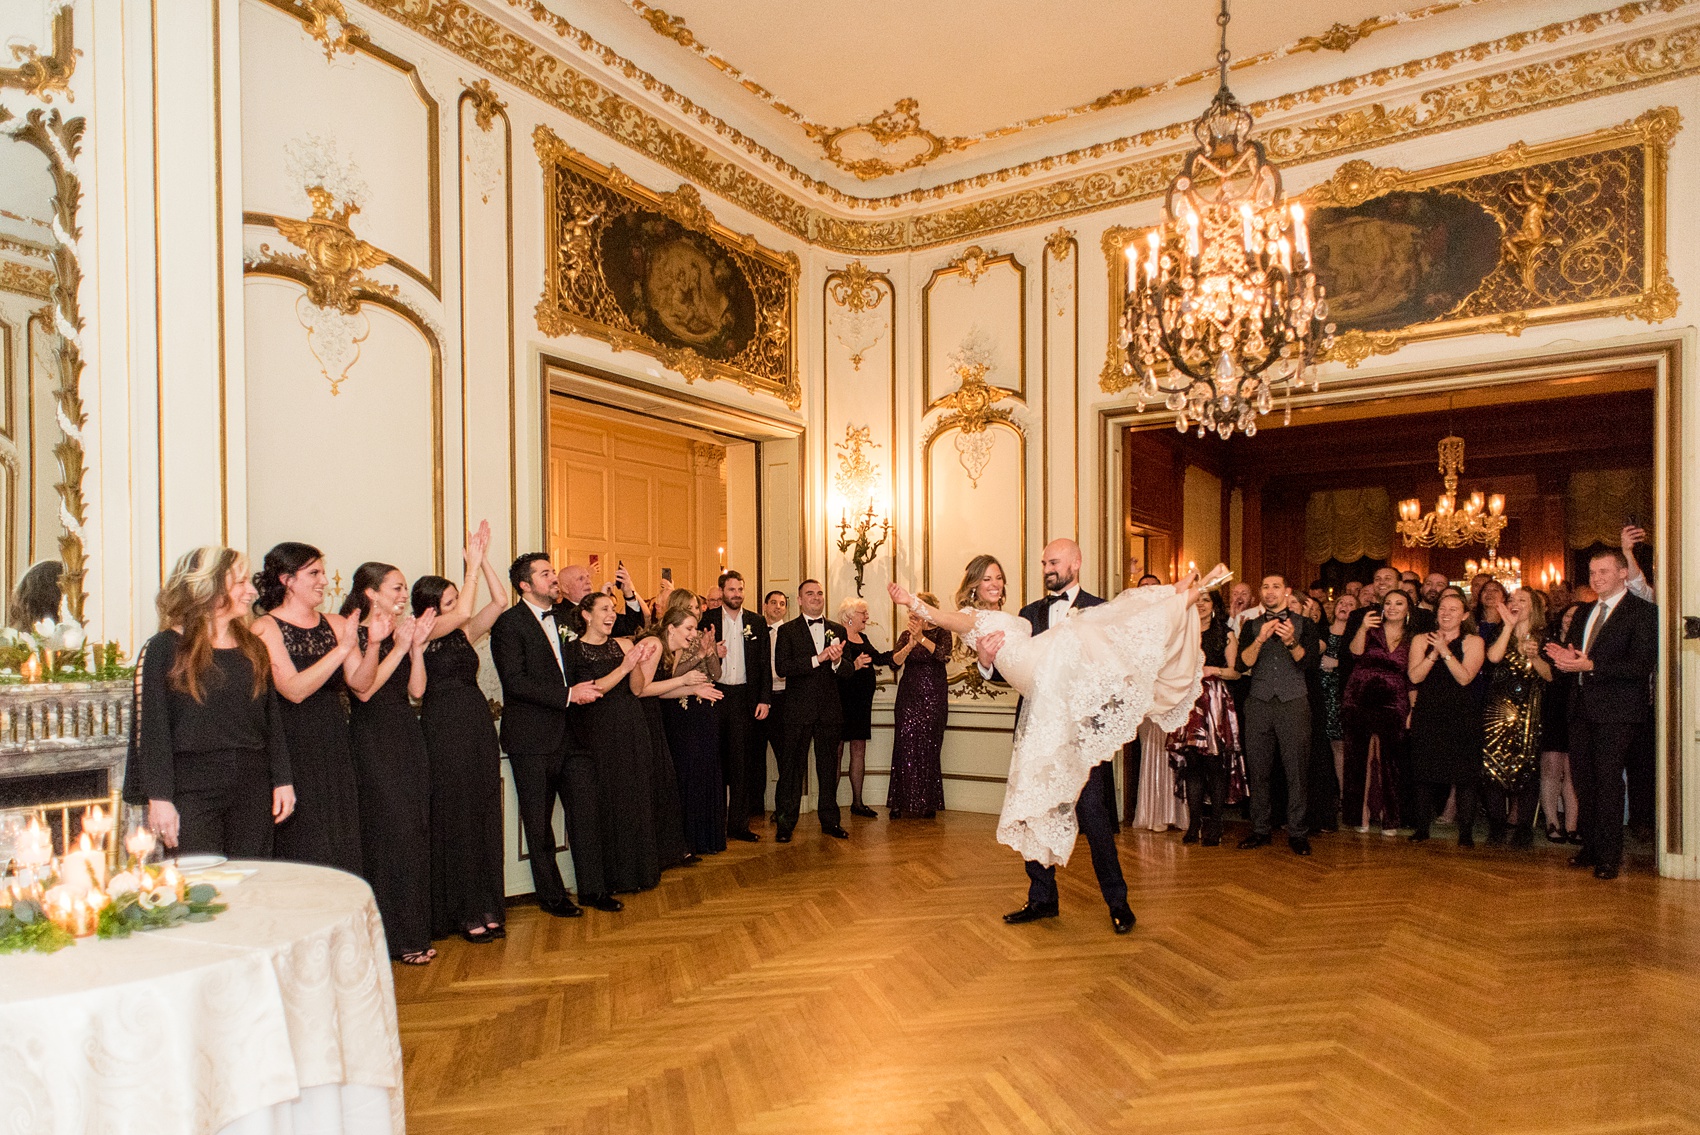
1348,524
1600,503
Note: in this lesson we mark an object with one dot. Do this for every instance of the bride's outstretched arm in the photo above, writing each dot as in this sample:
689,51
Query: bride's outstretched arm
957,622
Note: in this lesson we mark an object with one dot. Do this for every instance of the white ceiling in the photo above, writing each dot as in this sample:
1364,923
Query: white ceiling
978,67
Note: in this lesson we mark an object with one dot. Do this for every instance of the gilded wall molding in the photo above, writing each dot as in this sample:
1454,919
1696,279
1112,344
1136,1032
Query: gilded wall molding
26,280
328,22
60,139
972,264
888,128
1663,55
42,76
1580,225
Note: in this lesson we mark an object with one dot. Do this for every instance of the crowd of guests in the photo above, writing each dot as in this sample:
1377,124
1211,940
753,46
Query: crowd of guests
1407,700
362,740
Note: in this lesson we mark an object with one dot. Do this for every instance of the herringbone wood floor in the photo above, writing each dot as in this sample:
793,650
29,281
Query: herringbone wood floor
870,986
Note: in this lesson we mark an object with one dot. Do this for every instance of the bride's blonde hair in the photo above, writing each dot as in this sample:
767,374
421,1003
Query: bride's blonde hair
971,577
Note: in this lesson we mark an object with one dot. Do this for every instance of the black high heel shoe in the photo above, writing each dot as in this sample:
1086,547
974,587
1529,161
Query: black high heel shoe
1191,835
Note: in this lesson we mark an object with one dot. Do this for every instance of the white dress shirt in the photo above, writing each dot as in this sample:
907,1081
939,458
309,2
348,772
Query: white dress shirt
817,631
546,620
1597,619
732,634
772,656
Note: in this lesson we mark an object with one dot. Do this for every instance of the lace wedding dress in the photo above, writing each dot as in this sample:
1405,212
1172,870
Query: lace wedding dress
1089,682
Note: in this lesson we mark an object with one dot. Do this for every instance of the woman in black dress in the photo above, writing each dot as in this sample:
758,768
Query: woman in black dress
207,754
465,757
612,729
671,844
312,655
390,764
1446,719
858,678
923,691
1558,793
678,681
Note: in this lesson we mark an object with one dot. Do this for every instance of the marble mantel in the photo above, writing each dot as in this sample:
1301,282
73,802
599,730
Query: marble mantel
61,727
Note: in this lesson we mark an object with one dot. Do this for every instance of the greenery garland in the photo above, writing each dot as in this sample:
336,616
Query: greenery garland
25,926
127,913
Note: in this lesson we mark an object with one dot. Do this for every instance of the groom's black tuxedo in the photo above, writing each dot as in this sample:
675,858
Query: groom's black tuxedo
541,754
1095,809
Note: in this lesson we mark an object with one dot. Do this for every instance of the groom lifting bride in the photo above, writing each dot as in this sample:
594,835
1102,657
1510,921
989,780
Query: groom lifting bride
1089,671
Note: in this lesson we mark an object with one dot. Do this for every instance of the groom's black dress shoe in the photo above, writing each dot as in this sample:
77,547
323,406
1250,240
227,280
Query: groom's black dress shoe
1122,919
836,832
746,836
565,909
602,902
1032,912
1299,844
1254,840
784,836
1583,859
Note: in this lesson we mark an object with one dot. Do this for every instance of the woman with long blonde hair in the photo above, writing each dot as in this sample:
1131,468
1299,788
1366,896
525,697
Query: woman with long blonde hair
207,754
1088,683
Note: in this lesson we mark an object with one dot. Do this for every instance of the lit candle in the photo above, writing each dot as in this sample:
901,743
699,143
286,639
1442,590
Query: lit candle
1132,269
31,669
140,843
1301,239
1246,226
1286,256
1191,232
35,848
96,822
1496,503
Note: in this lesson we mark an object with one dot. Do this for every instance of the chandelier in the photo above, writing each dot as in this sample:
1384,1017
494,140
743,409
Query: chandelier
1451,525
1224,308
1508,571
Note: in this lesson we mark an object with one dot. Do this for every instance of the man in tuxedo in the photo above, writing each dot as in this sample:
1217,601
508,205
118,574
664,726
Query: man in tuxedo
573,584
525,644
1095,809
744,677
1612,648
769,730
808,654
1276,648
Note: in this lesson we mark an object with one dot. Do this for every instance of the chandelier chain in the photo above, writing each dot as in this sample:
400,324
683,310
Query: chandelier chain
1222,56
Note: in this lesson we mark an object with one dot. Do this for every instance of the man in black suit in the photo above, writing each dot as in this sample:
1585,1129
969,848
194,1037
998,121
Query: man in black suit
572,584
769,730
525,644
744,678
1095,809
807,654
1612,648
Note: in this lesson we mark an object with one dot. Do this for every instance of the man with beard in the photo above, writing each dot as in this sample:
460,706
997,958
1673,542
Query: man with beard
744,678
1428,599
1095,809
1386,579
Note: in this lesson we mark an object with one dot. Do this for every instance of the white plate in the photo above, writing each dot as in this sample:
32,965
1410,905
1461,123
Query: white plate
188,863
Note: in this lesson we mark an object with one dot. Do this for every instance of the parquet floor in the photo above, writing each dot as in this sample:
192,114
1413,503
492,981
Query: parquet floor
870,986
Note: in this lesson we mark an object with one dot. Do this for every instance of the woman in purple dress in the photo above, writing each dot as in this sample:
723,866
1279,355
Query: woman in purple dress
1375,714
917,786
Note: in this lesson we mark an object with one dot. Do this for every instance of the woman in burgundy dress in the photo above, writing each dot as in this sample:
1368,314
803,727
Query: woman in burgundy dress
917,786
1205,752
1375,715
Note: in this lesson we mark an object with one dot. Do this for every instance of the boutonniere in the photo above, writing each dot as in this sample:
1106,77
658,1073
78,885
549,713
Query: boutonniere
566,634
830,637
1072,612
749,632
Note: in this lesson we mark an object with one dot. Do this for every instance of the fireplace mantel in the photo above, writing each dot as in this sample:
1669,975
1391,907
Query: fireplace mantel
57,727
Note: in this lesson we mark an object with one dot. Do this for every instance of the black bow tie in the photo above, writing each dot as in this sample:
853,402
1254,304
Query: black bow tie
814,622
1055,595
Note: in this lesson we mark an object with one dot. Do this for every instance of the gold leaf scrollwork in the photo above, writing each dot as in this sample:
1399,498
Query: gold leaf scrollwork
38,75
885,130
856,469
971,408
973,263
26,279
485,104
1341,37
856,288
1354,183
335,260
328,22
1059,243
1523,247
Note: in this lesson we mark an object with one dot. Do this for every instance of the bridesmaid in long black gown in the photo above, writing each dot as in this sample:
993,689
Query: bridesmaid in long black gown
390,764
465,756
671,846
613,730
1446,719
312,654
685,695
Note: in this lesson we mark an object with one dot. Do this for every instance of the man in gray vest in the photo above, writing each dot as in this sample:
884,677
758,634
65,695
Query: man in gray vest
1276,647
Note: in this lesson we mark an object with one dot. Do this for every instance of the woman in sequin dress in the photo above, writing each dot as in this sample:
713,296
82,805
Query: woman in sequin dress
1335,667
1374,713
1511,723
312,655
916,788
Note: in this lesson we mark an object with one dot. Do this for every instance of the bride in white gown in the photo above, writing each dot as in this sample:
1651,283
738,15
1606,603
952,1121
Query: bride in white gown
1088,683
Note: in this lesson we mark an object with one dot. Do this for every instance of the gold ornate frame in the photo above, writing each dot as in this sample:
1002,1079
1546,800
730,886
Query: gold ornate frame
41,75
1356,182
775,323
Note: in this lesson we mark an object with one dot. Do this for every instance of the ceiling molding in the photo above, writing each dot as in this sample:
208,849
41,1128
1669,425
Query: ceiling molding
1662,55
1339,38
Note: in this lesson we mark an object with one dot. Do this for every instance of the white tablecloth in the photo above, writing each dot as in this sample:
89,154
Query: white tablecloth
284,999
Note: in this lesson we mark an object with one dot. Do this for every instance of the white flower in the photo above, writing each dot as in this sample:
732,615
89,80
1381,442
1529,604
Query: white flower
45,628
121,884
158,897
71,637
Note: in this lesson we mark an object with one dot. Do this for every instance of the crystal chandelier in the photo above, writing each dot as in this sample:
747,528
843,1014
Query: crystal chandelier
1508,571
1223,308
1451,525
